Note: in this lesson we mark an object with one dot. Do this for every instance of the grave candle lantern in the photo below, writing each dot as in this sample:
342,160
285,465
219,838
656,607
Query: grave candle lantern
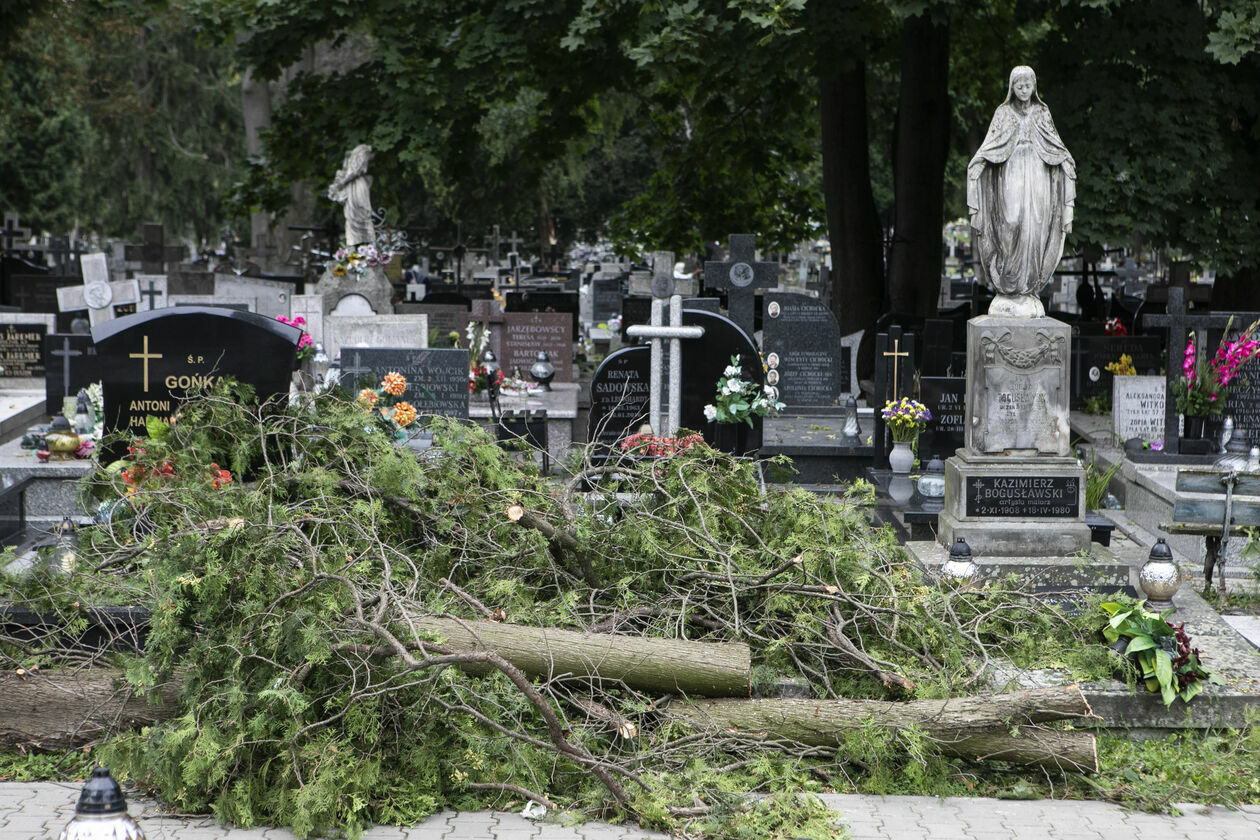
101,813
543,370
1160,578
959,567
851,426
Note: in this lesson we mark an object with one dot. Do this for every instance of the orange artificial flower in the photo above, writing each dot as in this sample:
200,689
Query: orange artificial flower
404,414
394,384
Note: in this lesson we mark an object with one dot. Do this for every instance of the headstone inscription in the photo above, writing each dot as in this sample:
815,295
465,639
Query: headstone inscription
1007,496
525,333
22,344
1243,404
946,398
620,394
71,365
1137,407
437,379
813,365
149,361
548,301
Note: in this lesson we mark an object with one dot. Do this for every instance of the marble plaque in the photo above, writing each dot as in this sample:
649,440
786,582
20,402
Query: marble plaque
1137,407
22,343
525,333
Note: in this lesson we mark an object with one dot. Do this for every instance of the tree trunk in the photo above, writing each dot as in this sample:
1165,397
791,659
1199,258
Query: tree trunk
1238,292
704,669
921,147
256,113
64,710
978,728
857,259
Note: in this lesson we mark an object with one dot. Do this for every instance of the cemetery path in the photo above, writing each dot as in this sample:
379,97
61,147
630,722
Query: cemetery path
40,810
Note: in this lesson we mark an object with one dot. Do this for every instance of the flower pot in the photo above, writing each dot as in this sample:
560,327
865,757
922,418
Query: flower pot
901,459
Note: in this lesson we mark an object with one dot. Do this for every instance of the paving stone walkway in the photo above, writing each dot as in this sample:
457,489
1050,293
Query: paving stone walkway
39,810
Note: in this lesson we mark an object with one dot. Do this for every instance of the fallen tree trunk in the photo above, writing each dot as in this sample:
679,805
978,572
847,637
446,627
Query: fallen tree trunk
665,666
59,711
995,727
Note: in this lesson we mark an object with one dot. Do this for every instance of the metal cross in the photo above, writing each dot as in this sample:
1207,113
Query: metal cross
741,275
657,331
152,294
145,356
895,356
154,254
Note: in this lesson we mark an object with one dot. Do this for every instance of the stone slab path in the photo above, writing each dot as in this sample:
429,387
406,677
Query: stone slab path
39,810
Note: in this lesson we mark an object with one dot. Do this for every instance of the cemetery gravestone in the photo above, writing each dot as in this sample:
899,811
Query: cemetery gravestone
153,292
98,295
35,292
71,365
620,394
605,298
547,301
703,304
1137,407
154,254
946,398
444,319
149,361
525,333
1243,403
635,310
271,297
814,367
741,275
188,281
22,344
1092,353
437,379
342,332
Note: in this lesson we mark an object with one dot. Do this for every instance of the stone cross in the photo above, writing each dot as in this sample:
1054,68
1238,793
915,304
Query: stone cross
656,332
741,275
97,295
154,254
493,241
154,291
1178,322
514,242
11,235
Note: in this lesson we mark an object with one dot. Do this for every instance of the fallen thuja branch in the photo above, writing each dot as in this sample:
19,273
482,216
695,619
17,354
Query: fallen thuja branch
347,634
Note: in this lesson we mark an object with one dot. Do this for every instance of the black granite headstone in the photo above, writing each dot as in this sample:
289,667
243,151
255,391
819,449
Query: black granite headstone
620,395
36,292
605,298
148,361
946,398
637,310
801,343
444,319
1092,353
71,365
703,362
703,304
437,379
22,349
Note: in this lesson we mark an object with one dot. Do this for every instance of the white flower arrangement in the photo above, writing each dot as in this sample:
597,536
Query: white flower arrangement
738,400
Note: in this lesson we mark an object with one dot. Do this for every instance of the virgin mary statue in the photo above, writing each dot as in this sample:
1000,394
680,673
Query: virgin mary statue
1021,188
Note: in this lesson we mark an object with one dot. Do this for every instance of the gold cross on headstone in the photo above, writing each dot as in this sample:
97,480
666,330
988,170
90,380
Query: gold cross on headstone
146,355
896,379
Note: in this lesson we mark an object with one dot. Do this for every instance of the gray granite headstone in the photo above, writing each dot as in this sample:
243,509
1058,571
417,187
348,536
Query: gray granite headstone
1092,353
812,368
1243,402
437,379
605,298
444,319
703,304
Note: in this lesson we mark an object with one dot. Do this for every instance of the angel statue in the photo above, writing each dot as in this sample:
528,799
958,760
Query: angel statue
351,189
1021,189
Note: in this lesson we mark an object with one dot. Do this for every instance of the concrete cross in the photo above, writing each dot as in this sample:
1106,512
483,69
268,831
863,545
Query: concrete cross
514,242
11,235
1178,322
657,331
97,295
493,241
154,255
741,275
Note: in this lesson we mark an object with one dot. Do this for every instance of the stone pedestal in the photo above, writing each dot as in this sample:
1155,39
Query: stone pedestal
373,286
1014,489
1014,506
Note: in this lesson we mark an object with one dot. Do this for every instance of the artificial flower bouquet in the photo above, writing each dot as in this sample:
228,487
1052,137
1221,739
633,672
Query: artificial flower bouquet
906,418
1204,385
738,400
